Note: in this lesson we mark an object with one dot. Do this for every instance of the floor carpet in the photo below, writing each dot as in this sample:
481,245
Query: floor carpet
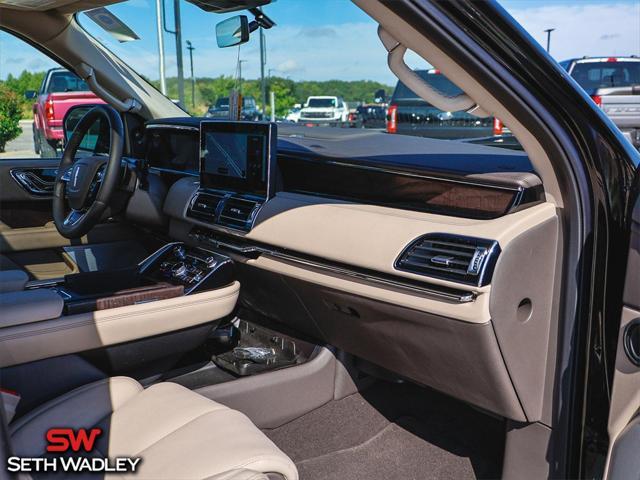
393,431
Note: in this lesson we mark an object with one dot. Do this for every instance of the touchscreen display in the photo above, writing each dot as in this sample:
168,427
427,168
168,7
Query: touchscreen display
236,156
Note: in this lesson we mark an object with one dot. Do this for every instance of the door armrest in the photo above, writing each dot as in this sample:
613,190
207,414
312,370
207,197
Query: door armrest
13,280
29,306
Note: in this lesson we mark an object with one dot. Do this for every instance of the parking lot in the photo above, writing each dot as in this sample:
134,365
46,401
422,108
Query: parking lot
21,147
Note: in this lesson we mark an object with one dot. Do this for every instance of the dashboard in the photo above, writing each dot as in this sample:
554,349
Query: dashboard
249,173
430,258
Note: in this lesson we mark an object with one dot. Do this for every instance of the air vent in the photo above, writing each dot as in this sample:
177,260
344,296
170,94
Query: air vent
205,205
450,257
238,212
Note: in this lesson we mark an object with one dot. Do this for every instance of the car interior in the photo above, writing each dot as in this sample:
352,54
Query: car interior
235,300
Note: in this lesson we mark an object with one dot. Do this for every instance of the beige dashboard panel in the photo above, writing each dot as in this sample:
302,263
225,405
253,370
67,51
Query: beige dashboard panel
473,312
372,237
77,333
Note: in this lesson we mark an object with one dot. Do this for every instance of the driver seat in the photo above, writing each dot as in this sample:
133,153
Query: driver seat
177,433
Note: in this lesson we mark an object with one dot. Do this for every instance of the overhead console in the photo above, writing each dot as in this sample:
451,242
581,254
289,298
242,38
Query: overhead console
237,173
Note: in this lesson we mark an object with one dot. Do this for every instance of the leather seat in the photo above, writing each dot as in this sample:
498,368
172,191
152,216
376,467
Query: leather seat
178,433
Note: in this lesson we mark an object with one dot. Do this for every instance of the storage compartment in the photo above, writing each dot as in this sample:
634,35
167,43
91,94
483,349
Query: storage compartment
260,349
219,360
93,291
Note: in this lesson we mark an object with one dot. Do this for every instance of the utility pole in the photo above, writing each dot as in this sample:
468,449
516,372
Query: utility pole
176,11
240,62
159,17
191,48
263,61
178,33
548,31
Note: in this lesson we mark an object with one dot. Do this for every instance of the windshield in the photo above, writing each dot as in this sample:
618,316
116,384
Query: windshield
222,102
322,102
434,79
594,75
60,82
322,57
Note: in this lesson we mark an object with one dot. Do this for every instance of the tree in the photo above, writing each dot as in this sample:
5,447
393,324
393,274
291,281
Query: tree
10,115
20,84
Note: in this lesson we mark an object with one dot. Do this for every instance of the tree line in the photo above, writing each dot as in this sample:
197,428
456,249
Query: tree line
207,89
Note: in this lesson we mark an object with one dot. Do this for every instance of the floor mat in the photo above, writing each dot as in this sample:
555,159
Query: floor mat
395,452
393,431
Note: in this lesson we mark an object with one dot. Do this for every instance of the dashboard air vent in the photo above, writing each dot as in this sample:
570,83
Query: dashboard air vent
450,257
238,212
205,205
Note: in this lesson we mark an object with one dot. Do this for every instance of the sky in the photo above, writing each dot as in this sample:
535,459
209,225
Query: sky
333,39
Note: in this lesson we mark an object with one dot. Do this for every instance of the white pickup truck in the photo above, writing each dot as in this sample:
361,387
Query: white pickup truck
614,84
324,110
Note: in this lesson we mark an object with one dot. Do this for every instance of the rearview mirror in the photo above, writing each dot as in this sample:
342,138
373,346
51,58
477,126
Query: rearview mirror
30,94
232,31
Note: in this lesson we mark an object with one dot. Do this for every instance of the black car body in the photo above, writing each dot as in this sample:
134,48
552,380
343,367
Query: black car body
408,114
368,116
249,112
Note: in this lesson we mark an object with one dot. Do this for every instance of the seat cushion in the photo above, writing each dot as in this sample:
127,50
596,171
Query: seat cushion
178,433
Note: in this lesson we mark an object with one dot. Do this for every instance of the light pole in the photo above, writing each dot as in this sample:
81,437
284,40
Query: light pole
548,31
263,61
178,33
240,62
191,48
159,20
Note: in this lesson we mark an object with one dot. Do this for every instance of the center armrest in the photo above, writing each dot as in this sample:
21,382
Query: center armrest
26,339
29,306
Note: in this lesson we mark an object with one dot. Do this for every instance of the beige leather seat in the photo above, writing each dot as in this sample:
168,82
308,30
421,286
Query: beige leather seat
178,433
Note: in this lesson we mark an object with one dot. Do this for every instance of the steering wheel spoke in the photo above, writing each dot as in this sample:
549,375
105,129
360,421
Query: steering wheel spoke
65,174
73,217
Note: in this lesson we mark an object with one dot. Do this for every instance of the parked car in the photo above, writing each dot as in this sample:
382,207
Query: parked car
324,110
614,84
293,115
59,91
249,111
368,116
408,114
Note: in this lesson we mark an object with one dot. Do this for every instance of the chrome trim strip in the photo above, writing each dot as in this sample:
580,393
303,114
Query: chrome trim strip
51,282
466,297
175,127
463,297
171,170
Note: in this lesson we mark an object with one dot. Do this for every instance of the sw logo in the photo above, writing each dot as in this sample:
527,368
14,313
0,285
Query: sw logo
72,444
65,439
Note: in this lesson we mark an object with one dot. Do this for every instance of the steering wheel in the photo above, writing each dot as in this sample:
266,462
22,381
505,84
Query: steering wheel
88,183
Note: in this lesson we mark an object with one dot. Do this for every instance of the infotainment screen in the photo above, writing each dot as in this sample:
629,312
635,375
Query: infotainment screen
237,156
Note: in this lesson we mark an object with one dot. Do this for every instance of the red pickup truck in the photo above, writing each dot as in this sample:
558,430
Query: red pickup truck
59,91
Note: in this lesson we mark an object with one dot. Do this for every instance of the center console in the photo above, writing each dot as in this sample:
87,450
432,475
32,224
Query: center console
237,173
172,271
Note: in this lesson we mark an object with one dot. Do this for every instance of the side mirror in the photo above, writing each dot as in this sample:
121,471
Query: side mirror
232,31
30,94
90,141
